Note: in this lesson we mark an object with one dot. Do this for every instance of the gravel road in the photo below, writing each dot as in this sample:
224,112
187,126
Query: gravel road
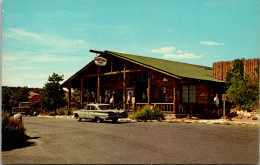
67,141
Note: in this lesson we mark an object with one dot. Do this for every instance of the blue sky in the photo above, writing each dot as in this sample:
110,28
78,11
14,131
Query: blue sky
40,37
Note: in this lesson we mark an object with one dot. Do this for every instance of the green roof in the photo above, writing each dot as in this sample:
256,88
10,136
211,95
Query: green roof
173,68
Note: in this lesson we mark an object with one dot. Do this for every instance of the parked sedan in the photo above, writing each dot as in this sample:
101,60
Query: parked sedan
100,112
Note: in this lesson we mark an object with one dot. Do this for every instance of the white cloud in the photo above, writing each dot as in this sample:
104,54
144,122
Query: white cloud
185,55
22,33
211,43
180,54
41,58
179,51
52,43
163,50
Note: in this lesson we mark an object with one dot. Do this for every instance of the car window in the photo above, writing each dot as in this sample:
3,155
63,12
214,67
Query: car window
87,107
104,107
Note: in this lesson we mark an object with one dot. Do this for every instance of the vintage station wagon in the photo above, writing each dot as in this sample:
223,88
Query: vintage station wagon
100,112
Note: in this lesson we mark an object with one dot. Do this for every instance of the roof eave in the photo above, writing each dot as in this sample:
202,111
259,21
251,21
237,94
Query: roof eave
145,65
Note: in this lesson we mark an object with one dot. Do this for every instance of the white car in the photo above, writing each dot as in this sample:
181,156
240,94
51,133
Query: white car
100,112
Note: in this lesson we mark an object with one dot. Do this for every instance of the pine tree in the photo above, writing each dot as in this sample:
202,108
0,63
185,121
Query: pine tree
53,95
240,89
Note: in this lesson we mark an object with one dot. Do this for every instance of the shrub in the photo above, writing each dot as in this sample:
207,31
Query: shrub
146,113
13,133
65,111
61,111
52,113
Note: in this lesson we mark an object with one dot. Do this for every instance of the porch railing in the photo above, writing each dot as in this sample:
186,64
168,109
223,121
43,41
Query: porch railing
119,105
186,108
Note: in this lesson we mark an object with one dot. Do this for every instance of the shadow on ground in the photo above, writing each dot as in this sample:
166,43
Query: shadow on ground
21,145
106,121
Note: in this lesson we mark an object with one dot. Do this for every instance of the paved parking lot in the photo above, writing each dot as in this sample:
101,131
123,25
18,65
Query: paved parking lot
69,141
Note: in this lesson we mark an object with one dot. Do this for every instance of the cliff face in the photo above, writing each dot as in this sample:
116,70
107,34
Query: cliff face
220,69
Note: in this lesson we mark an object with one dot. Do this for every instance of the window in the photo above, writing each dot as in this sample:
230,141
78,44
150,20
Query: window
139,77
188,93
90,107
161,94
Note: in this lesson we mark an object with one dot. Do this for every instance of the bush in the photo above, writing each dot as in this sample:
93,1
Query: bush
146,113
51,113
61,111
13,133
65,111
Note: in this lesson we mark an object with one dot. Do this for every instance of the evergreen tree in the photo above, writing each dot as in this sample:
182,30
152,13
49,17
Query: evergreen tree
240,89
53,95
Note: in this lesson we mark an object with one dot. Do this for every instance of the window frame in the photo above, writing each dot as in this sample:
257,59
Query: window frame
188,93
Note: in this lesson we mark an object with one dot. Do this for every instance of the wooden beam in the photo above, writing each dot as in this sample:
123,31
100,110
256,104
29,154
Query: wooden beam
95,51
81,92
113,73
174,99
112,63
69,85
124,86
98,85
149,87
69,101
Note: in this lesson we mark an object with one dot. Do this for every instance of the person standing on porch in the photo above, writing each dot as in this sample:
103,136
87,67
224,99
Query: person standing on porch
112,101
106,98
129,99
216,102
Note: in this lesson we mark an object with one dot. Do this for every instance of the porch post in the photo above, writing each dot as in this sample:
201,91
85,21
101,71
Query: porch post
69,86
112,65
149,87
174,99
81,92
69,102
98,83
124,87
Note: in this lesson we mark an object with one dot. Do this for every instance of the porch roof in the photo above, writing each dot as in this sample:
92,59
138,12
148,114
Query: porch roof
173,68
179,69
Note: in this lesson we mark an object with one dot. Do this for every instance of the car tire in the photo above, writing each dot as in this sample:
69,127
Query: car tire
115,120
99,120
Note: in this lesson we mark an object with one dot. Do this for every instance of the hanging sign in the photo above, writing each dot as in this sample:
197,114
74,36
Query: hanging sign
100,61
224,97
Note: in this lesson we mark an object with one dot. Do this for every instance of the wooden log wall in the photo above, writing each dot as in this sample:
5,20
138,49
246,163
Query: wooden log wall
157,82
220,69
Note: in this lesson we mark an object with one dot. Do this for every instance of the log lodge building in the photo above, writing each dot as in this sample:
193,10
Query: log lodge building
173,87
